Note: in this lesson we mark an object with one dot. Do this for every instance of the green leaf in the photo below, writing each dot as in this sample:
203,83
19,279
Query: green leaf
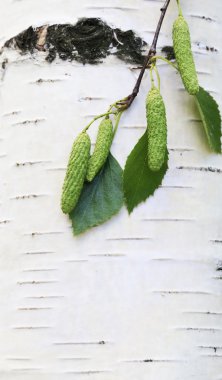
100,199
139,182
210,116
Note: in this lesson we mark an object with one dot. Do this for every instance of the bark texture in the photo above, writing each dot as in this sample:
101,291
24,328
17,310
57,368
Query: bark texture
140,297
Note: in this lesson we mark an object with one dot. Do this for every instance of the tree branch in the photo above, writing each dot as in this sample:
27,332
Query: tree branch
126,103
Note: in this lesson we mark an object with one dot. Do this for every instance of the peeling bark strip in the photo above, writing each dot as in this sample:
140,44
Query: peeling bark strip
88,41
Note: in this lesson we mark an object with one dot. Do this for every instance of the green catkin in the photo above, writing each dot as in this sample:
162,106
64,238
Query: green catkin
157,129
184,56
102,147
76,172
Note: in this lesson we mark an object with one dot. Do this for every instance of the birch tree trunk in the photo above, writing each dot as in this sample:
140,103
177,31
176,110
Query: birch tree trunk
139,297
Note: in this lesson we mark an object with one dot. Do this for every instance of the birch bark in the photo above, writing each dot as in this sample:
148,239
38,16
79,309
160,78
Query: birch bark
139,297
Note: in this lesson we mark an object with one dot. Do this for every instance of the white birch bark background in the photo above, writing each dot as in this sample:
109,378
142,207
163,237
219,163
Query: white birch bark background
139,297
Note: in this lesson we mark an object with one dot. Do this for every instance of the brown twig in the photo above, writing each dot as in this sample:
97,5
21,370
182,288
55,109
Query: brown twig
126,103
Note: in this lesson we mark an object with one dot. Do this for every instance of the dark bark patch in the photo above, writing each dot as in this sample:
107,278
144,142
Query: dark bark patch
24,41
90,40
129,46
168,51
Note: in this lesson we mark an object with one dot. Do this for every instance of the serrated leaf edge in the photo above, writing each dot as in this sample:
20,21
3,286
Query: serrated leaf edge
204,121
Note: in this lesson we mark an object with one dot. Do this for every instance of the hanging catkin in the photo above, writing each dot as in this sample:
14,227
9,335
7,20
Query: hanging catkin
157,129
76,172
184,56
102,148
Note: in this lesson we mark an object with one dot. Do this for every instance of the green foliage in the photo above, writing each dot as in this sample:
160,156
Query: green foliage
211,118
100,199
139,182
91,203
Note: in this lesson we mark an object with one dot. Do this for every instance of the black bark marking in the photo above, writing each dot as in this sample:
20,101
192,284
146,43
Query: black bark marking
175,187
168,51
76,261
153,361
186,292
31,327
167,220
19,359
204,312
204,18
90,40
73,358
215,348
40,270
36,282
108,255
219,268
209,329
33,234
207,48
31,163
34,308
216,241
29,122
12,113
24,41
29,196
86,372
44,297
129,238
38,253
202,169
101,342
6,221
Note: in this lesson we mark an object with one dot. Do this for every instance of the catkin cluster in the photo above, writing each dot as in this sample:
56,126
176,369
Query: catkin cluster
184,56
155,108
81,166
157,129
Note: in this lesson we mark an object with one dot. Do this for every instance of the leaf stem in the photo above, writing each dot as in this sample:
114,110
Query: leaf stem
179,8
157,75
151,75
165,60
98,117
118,116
